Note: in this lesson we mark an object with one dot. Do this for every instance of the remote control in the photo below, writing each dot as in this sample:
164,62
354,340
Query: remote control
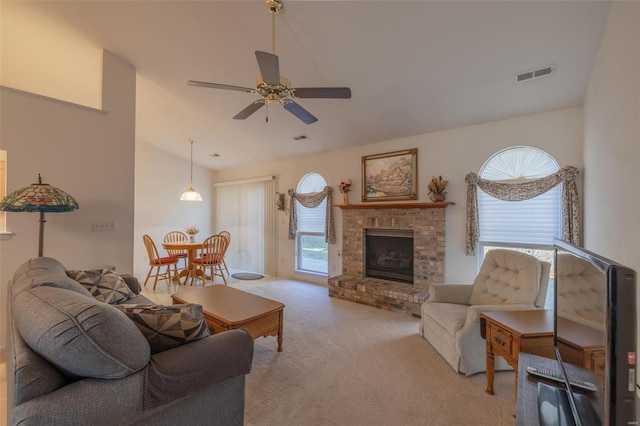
554,375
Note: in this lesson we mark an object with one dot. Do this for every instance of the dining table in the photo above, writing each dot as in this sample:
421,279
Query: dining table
192,252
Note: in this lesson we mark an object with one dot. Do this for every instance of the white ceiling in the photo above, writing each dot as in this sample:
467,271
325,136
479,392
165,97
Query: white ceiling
413,67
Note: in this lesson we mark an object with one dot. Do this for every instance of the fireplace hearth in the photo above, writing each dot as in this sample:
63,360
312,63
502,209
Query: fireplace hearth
389,254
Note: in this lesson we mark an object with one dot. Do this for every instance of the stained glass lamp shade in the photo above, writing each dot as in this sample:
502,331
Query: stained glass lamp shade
39,197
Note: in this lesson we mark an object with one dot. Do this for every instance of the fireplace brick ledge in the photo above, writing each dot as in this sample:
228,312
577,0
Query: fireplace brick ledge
383,294
410,205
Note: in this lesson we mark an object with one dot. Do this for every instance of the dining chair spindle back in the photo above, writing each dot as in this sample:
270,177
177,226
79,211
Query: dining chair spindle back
210,257
227,235
177,237
156,262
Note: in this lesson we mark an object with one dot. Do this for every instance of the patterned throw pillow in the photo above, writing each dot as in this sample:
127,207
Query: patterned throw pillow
103,284
166,327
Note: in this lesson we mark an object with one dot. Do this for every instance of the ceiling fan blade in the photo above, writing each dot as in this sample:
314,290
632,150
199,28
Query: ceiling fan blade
269,67
323,92
249,110
302,114
219,86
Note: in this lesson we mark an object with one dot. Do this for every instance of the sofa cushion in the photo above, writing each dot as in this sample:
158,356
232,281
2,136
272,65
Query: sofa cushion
44,271
166,327
80,335
33,375
103,284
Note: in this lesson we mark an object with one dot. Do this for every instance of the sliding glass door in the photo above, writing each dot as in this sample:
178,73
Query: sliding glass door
247,210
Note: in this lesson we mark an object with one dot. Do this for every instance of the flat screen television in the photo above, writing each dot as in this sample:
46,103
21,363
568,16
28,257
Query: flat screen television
595,329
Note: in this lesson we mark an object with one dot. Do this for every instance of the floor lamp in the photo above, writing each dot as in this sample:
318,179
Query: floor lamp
39,197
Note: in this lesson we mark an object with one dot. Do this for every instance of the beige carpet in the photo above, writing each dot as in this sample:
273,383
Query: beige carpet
349,364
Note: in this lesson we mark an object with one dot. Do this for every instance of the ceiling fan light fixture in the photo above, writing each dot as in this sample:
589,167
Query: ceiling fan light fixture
191,194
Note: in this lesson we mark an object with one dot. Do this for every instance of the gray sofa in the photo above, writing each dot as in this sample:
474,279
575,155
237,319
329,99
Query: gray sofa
87,363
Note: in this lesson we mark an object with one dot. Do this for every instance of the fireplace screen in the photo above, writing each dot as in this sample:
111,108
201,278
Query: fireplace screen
389,254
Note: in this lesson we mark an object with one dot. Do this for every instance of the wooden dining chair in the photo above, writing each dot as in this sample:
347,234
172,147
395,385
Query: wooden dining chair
227,235
156,262
210,257
177,237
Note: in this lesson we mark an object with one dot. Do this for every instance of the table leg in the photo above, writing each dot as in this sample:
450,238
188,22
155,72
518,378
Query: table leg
184,273
515,368
191,267
280,328
491,367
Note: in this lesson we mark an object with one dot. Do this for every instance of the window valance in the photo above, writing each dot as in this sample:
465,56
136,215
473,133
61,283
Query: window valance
311,200
519,191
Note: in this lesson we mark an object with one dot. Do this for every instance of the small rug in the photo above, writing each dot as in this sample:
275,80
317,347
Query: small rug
247,276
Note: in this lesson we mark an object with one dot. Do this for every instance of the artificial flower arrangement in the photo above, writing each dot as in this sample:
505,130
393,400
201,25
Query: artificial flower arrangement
345,186
192,230
436,188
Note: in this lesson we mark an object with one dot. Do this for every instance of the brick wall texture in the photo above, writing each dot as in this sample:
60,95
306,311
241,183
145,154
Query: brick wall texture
428,226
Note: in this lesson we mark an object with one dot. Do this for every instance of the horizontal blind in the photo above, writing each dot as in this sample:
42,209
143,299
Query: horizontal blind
534,221
312,219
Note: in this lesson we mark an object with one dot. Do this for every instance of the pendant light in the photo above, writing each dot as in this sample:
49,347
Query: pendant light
191,194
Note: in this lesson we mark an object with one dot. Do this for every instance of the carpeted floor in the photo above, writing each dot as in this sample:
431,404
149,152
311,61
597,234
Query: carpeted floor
349,364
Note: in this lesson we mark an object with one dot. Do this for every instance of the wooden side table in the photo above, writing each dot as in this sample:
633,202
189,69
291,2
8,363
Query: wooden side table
582,346
509,333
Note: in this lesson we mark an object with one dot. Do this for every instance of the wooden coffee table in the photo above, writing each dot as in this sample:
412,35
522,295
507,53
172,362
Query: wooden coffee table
226,308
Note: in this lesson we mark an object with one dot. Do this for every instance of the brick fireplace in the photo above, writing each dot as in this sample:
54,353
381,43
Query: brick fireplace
426,222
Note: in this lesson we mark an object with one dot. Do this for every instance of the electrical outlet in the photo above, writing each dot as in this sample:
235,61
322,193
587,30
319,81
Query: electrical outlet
106,226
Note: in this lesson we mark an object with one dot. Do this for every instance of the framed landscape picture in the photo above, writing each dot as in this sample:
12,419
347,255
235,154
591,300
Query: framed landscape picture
390,176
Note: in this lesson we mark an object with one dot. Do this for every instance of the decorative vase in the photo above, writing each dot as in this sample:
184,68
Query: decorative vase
437,197
192,238
345,198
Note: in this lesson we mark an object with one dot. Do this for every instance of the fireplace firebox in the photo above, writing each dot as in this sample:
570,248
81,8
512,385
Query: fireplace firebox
389,254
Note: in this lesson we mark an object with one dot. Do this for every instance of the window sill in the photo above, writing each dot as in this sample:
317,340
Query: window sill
312,273
4,236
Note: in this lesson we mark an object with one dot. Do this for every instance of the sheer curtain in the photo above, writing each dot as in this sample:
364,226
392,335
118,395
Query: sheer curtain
246,209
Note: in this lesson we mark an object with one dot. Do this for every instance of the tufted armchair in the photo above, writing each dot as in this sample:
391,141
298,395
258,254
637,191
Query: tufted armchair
508,281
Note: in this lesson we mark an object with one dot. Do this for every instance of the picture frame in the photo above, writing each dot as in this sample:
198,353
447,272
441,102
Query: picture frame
390,176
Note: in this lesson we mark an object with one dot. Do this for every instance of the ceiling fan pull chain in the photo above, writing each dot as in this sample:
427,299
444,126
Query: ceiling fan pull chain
266,114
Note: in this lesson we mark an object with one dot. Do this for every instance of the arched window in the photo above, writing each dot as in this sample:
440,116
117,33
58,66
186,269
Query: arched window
312,252
528,225
536,221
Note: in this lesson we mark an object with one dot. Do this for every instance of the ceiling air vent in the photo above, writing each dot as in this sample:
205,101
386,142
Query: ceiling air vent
534,74
300,138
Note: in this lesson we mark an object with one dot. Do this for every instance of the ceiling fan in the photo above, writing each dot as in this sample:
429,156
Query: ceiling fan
274,88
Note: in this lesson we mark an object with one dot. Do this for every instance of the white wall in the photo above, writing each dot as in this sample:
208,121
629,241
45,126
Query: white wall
612,141
43,55
450,153
160,179
87,153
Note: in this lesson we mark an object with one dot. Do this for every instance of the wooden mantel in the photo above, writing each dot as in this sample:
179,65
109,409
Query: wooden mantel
406,205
